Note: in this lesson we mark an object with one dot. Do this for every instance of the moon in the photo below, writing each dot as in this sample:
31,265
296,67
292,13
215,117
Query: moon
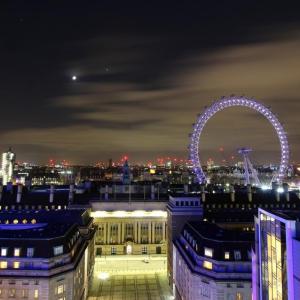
74,77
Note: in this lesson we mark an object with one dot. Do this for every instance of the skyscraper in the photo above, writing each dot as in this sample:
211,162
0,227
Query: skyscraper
8,161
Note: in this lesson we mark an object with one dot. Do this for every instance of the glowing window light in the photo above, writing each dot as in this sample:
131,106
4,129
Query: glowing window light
16,264
15,221
3,264
208,252
17,251
33,221
24,221
207,265
103,275
280,190
227,255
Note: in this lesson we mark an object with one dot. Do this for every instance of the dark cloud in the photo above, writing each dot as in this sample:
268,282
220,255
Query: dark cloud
144,72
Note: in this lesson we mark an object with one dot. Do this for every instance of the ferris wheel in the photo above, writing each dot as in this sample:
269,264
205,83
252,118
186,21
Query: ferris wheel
233,101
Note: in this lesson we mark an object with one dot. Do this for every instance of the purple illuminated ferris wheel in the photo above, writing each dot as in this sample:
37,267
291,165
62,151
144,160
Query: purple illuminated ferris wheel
226,102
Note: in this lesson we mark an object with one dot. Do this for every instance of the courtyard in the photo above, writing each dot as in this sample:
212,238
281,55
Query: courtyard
130,277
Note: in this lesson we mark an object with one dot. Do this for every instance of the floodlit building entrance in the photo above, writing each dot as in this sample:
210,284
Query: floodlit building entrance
129,249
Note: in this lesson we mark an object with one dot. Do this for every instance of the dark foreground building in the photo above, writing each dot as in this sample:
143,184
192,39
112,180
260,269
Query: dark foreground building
45,254
212,263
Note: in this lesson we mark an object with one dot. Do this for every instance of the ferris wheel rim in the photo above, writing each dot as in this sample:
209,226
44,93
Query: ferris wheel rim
236,101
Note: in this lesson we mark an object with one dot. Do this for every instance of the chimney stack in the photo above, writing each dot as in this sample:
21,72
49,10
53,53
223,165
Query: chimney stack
203,192
232,193
71,193
106,192
51,196
186,189
249,192
152,192
19,193
286,191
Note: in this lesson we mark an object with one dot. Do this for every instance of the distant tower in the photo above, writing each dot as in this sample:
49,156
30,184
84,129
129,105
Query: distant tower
126,173
248,167
8,162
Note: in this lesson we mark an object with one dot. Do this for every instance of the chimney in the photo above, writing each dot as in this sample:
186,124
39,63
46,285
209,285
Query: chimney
19,193
71,193
249,192
51,196
232,193
152,192
286,191
202,192
9,187
106,192
186,189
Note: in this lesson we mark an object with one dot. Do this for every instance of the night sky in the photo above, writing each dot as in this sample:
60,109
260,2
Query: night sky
144,71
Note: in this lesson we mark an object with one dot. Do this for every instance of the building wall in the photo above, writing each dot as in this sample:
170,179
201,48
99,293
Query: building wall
130,235
191,286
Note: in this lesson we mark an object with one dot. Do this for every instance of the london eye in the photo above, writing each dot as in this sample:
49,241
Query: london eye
235,101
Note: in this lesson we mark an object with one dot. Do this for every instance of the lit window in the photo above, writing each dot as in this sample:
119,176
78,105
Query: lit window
144,250
208,252
12,293
17,251
239,296
30,252
207,265
16,264
3,251
24,221
58,250
33,221
3,264
226,255
60,289
36,294
15,221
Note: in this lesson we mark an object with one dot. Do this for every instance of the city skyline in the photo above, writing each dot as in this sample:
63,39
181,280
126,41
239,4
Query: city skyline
142,75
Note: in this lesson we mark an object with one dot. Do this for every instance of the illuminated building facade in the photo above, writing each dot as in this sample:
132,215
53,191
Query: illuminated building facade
210,262
135,228
46,254
276,261
8,162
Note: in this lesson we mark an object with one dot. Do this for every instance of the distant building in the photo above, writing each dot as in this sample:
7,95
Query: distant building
126,178
276,261
46,254
212,263
8,162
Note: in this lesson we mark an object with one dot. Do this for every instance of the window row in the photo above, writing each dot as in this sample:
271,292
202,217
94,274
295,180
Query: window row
17,252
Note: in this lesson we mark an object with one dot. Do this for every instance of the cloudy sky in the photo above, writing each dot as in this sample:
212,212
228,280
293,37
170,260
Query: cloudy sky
144,72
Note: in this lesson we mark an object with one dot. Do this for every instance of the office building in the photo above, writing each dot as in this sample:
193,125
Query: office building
276,260
210,262
46,254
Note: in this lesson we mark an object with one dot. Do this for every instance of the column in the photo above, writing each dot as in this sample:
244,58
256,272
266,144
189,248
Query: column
139,232
123,232
104,232
164,230
108,232
135,232
153,232
119,233
149,233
